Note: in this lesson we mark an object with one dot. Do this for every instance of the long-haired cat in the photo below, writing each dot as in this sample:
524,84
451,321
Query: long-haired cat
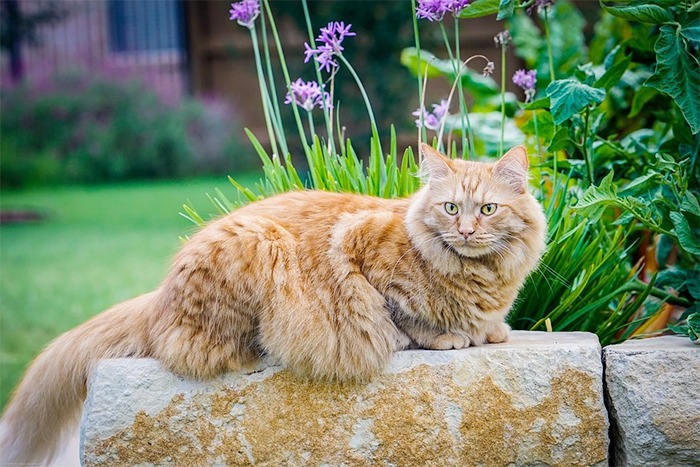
328,284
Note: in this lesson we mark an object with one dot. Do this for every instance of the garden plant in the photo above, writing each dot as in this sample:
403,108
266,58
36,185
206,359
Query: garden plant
611,121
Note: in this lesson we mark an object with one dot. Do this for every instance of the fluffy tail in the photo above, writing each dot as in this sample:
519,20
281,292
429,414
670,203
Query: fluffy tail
47,403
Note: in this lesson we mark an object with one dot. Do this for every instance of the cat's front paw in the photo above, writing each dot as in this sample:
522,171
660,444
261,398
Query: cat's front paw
498,334
448,340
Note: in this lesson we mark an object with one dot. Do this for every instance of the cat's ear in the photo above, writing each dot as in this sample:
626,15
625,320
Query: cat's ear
438,166
512,168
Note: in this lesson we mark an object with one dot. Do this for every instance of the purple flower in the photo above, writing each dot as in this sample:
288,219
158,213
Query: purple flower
331,38
434,10
441,109
432,121
308,95
526,80
245,12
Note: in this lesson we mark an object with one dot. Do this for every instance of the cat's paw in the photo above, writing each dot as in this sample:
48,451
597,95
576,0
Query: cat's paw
402,341
498,334
448,340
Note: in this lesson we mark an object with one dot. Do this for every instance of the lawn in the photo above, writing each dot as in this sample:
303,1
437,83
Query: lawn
98,246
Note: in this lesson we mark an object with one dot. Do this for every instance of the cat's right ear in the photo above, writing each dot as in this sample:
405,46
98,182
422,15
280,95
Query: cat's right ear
438,166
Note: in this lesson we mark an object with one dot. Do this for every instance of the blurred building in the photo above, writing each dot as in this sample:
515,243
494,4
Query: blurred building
190,46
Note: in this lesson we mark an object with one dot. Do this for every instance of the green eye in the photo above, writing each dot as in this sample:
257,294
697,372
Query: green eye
451,208
488,209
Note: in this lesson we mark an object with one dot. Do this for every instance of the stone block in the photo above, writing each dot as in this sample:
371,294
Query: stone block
653,389
536,400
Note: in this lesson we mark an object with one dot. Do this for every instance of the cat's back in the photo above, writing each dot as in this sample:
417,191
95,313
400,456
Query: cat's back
299,211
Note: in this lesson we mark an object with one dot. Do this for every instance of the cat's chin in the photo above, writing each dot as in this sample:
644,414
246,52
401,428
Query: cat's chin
471,251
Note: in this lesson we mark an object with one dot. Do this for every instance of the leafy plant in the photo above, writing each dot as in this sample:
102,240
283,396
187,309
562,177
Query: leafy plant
80,128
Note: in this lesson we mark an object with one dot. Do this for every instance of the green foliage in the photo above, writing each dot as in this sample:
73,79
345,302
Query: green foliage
691,328
76,128
583,282
570,96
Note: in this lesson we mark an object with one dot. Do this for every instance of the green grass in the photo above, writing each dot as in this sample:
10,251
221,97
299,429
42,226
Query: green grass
99,246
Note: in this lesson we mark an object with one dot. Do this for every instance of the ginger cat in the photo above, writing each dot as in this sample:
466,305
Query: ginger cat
328,284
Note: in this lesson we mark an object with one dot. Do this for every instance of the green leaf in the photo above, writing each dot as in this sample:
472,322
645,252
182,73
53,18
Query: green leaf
505,9
685,235
542,103
691,31
480,8
642,12
569,96
596,198
613,74
690,204
641,97
694,326
677,74
560,140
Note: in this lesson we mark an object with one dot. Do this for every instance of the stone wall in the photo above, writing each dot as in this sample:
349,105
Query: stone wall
536,400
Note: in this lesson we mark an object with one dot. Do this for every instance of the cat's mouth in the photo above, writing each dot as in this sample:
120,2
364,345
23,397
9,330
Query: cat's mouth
470,248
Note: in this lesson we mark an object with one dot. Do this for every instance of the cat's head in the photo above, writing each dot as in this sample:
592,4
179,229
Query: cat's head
477,208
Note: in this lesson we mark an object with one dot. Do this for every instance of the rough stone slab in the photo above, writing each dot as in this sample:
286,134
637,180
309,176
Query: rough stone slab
653,390
536,400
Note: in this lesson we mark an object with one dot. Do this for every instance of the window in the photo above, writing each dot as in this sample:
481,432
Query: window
145,25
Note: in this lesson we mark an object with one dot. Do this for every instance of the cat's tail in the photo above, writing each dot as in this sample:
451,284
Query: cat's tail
47,403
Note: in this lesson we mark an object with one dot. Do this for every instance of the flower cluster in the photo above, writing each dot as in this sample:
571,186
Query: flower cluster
526,80
432,121
331,38
308,95
435,10
245,12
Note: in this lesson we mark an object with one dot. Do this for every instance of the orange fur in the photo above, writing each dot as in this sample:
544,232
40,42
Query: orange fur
328,284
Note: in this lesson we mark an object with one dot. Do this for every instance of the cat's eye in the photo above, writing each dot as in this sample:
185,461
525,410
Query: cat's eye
488,209
451,208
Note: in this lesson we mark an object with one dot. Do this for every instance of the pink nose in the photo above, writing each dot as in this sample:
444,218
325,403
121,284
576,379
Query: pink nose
467,232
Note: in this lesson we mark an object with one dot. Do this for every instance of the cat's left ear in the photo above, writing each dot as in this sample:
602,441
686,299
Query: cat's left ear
512,168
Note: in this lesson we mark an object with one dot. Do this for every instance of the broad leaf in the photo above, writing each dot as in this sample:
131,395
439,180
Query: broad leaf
570,96
505,9
643,12
641,97
690,204
677,74
480,8
691,31
613,74
687,240
596,198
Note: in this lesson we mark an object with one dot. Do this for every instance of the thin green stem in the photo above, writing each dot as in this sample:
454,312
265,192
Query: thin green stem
539,153
285,71
585,147
503,97
466,147
263,91
275,102
312,127
326,108
370,112
639,286
458,79
418,65
549,45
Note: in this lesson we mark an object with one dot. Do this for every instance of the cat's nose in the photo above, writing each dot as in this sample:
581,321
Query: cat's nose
467,232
